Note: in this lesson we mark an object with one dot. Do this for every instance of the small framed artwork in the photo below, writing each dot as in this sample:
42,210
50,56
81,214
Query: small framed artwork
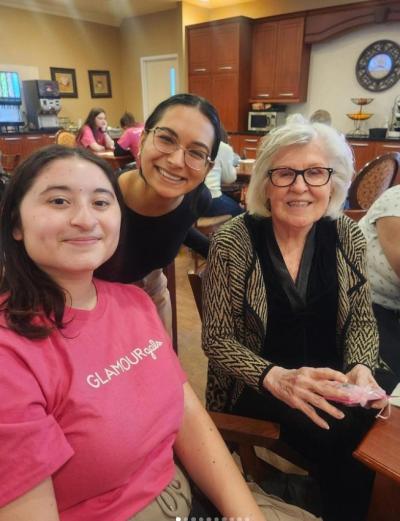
100,84
66,79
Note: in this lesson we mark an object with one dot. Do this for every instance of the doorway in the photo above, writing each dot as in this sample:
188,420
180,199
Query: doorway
159,80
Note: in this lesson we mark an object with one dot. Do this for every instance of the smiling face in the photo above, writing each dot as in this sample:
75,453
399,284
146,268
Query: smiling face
69,219
299,206
167,174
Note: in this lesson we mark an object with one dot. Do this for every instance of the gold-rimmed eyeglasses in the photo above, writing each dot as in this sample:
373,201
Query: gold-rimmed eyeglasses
165,141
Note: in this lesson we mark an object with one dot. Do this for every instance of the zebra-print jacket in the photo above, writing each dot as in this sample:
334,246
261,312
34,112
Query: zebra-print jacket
235,310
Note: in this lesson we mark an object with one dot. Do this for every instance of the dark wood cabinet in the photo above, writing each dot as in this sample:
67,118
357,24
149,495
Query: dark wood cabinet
24,145
244,144
365,151
219,60
280,61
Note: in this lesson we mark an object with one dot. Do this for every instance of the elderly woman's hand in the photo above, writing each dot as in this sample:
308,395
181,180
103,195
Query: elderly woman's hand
361,375
305,388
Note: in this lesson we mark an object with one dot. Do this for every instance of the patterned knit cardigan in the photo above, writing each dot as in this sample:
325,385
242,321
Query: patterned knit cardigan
235,310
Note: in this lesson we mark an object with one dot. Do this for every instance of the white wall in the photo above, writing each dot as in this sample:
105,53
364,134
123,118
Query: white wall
332,81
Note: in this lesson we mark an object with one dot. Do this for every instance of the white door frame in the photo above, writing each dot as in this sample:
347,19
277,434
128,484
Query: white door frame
143,61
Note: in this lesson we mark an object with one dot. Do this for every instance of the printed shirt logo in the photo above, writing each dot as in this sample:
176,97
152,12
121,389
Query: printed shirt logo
124,364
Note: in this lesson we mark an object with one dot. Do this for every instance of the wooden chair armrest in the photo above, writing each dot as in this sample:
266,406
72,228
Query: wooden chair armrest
246,430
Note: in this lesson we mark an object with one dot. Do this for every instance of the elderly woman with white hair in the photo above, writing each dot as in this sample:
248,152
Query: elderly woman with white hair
287,309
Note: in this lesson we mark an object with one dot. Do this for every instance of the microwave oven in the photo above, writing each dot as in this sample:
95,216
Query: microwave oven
260,121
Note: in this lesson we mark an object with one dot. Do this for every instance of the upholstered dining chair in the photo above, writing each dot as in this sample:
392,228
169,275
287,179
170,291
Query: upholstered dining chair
63,137
375,177
9,162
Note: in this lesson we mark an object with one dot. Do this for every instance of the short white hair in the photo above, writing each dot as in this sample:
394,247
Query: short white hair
299,131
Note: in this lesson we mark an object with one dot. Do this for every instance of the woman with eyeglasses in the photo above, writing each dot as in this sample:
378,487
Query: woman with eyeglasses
166,195
288,320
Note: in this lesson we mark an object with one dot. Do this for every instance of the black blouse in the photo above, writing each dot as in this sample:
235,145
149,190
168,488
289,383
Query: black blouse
302,315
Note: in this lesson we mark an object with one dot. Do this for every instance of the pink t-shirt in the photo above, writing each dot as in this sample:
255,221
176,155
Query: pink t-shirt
97,407
130,139
88,137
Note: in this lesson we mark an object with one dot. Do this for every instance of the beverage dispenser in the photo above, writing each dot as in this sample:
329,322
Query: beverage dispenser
42,101
10,102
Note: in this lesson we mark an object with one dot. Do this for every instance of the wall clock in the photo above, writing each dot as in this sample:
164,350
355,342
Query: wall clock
378,67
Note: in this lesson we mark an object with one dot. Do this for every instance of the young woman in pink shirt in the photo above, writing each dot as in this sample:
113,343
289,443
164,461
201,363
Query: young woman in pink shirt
93,133
94,404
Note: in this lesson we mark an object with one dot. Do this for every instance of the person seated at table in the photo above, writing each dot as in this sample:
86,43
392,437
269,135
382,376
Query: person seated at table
381,227
287,309
93,133
128,143
85,431
223,171
166,195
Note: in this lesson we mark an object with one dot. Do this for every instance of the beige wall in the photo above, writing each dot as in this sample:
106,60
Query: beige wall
44,41
150,35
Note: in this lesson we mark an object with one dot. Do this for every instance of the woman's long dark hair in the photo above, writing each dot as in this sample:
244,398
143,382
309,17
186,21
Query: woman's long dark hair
32,302
90,121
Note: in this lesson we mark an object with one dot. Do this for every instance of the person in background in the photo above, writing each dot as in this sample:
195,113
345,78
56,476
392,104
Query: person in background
94,403
166,195
381,227
321,116
128,143
223,171
93,133
287,310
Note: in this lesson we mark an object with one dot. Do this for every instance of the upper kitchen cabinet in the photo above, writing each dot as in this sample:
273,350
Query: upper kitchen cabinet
280,61
219,61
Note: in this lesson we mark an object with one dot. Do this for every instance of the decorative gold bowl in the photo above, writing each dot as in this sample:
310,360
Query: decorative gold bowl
360,116
362,101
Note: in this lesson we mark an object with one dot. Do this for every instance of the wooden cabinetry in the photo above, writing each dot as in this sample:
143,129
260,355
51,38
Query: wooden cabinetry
244,144
219,57
366,151
24,145
280,61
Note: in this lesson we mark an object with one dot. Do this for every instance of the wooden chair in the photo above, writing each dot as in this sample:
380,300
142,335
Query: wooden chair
374,178
9,162
208,226
356,215
248,433
63,137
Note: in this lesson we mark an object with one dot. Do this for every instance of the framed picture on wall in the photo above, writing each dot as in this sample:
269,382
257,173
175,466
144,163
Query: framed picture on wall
66,79
100,84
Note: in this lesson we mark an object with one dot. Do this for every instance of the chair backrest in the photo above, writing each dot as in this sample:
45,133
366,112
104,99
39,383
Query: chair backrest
356,215
195,280
9,162
68,139
375,177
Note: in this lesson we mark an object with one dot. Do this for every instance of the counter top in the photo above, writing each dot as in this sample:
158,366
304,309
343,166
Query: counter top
367,138
23,133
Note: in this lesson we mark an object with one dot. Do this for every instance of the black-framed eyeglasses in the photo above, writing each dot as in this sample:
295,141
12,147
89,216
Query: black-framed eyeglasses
314,176
165,141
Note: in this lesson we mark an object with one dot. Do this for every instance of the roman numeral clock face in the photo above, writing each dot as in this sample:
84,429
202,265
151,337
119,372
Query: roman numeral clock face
378,67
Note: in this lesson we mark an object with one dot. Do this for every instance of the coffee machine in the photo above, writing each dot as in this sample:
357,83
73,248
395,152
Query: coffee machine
42,102
10,102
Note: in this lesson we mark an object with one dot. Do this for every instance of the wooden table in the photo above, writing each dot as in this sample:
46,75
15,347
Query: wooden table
380,450
115,162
